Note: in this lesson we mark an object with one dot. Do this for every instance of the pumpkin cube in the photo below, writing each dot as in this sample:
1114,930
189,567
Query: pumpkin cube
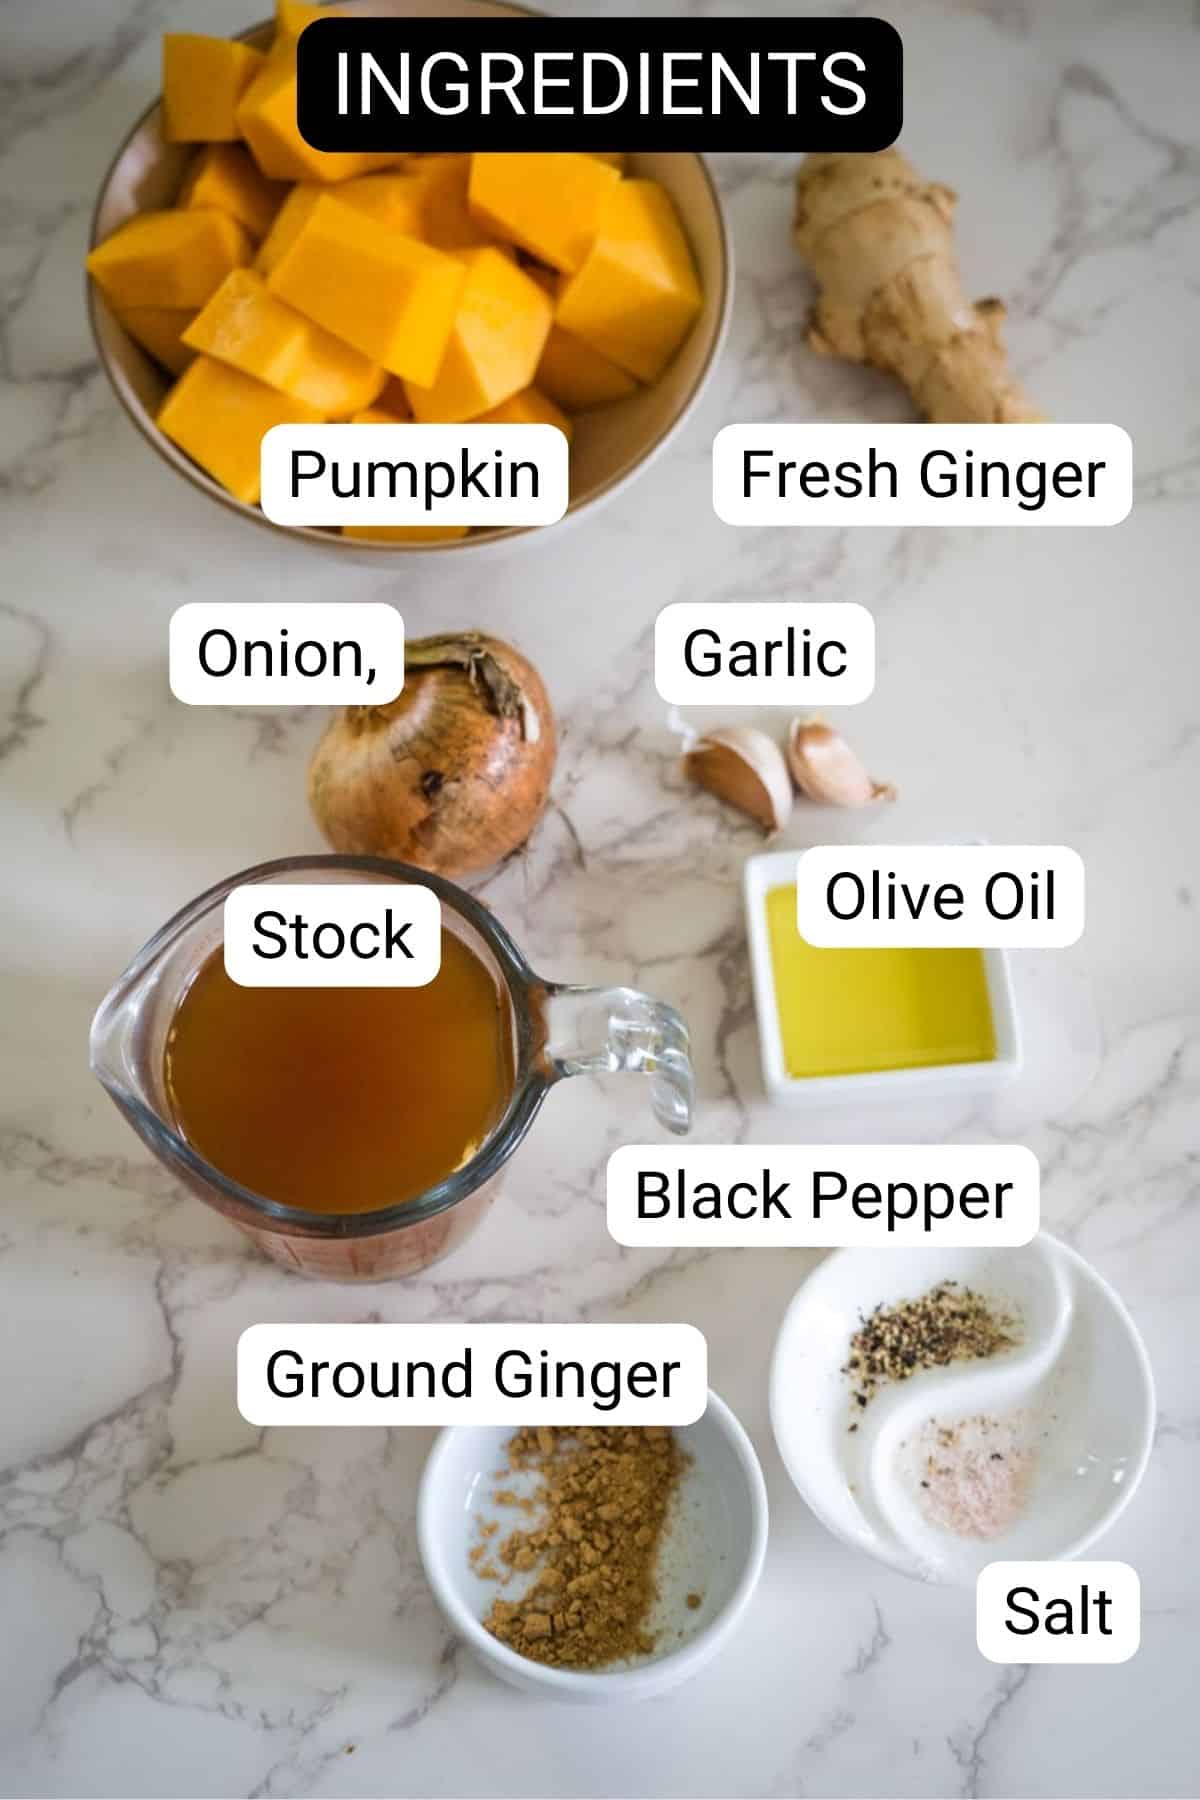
291,16
160,329
266,118
637,293
398,534
248,327
218,417
392,199
226,179
389,296
500,329
175,258
529,407
204,78
548,203
578,377
615,157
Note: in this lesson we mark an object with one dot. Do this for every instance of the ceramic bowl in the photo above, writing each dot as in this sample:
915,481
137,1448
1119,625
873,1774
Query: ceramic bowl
714,1547
1079,1377
947,1080
611,445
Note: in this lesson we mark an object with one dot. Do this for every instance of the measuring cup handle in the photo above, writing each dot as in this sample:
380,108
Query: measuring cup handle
616,1030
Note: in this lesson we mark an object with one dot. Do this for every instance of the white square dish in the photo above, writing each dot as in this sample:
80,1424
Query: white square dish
773,869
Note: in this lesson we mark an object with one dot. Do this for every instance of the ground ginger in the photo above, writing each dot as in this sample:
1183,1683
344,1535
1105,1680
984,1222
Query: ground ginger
600,1512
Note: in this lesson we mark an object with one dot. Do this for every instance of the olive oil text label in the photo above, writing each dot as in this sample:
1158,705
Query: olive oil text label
940,896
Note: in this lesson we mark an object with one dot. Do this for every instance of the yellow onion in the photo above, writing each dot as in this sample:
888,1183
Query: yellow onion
454,773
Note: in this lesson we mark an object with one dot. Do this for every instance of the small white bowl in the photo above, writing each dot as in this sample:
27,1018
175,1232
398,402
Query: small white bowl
774,869
1081,1369
714,1547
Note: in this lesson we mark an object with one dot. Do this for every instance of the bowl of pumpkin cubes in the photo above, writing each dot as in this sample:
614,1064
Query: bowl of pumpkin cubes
240,279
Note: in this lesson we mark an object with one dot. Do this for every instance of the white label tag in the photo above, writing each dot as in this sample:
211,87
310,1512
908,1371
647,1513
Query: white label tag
327,934
415,474
940,896
764,653
286,653
472,1374
823,1196
922,474
1058,1612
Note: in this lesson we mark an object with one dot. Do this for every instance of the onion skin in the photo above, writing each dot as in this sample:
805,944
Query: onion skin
454,773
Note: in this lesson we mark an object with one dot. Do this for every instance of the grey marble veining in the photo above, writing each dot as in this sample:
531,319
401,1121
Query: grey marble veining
189,1605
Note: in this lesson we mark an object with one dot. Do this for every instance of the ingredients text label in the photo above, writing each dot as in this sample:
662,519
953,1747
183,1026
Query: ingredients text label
922,474
1058,1612
472,1374
286,654
823,1196
764,653
312,934
585,84
415,474
940,896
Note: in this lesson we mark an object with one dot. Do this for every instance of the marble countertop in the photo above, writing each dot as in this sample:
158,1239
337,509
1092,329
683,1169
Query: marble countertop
192,1606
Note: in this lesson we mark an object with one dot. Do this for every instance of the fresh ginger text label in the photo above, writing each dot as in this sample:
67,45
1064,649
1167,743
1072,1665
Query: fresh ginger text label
823,1196
922,474
347,653
352,934
472,1374
764,653
940,896
415,474
1058,1612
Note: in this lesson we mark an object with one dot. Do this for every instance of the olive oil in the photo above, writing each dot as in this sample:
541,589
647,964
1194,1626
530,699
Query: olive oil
856,1012
341,1100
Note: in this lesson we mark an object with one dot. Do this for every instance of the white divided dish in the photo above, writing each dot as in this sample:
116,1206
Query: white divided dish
713,1548
1067,1414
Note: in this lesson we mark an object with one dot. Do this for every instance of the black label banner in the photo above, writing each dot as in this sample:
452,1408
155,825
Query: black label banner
599,84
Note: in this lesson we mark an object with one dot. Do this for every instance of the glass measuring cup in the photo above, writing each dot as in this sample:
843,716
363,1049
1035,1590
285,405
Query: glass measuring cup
558,1030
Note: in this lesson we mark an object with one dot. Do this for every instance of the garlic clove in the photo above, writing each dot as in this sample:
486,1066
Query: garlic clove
825,768
746,768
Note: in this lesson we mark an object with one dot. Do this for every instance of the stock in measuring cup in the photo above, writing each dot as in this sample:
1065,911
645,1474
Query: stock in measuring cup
556,1031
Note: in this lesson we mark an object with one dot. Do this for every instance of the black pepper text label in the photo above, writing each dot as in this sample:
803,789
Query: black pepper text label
592,84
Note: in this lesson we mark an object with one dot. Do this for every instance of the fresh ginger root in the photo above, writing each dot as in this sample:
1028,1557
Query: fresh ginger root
880,242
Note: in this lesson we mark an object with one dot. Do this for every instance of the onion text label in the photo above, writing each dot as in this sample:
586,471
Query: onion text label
472,1374
286,653
585,84
940,896
330,934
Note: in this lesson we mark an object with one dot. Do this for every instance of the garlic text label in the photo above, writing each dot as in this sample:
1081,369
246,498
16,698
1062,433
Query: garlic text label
764,653
824,1195
472,1374
922,474
1058,1612
414,474
940,896
356,934
286,654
